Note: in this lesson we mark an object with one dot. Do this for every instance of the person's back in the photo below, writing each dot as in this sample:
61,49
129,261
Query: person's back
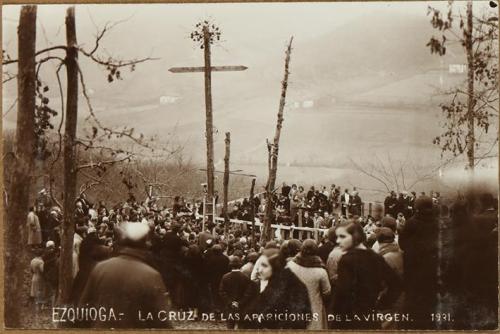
419,242
325,250
233,290
129,284
318,287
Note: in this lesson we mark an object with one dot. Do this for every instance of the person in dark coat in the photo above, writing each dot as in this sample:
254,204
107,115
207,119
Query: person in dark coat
216,265
285,189
278,292
477,261
419,242
390,204
365,282
197,292
128,283
356,203
171,262
92,251
233,287
327,246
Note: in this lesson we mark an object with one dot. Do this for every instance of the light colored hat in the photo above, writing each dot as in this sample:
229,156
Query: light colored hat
50,243
135,231
43,191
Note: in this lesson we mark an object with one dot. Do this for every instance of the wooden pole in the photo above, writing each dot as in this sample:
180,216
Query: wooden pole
19,190
252,212
209,117
273,153
470,88
226,182
70,159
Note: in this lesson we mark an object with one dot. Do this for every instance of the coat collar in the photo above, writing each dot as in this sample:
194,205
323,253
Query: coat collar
142,255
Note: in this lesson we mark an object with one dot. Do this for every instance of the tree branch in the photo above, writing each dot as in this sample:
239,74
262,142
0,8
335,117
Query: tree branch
58,47
103,163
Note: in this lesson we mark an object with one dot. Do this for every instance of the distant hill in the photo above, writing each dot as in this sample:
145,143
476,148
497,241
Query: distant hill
369,80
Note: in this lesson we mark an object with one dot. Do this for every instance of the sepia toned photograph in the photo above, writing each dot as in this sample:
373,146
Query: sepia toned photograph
251,166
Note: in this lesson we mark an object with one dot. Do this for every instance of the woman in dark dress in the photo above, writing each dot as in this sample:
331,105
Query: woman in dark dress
365,282
278,300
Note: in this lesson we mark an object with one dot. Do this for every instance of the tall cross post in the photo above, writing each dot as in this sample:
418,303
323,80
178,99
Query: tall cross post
206,37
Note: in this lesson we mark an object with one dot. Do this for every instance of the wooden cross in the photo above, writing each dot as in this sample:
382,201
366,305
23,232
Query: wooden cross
208,69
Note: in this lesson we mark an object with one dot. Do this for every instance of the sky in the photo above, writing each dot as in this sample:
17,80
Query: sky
268,21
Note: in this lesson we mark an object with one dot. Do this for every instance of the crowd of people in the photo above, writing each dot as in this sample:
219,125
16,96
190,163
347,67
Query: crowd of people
412,255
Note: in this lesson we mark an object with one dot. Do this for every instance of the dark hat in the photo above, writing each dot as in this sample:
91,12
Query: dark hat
423,204
309,247
217,249
235,262
385,235
271,244
331,234
294,246
389,222
252,257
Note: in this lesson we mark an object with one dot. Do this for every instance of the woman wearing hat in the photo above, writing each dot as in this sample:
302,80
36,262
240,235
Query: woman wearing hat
309,268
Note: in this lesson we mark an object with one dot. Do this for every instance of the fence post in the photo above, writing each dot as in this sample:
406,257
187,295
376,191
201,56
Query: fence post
300,224
370,208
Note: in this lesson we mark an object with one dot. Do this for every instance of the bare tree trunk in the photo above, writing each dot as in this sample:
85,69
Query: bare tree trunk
273,153
252,212
470,88
226,181
209,118
70,160
19,192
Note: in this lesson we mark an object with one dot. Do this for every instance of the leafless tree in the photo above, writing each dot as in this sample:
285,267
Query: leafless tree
273,150
100,137
397,174
19,190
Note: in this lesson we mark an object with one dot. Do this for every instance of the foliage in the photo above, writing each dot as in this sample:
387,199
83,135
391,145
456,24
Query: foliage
198,34
452,28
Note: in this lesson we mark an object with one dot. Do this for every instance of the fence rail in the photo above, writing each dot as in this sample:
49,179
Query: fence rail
282,229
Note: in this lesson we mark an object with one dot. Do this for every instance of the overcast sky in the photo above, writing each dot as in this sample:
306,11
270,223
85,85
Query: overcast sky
270,20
